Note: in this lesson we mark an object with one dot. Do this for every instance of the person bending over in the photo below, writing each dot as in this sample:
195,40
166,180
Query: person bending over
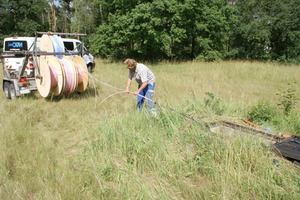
145,79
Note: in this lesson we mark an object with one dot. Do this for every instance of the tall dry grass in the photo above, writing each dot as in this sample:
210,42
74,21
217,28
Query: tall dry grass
65,149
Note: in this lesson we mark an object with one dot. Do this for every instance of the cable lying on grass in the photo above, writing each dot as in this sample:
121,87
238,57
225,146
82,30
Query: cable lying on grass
156,103
286,148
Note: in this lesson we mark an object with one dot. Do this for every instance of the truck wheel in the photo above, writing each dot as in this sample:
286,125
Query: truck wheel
89,68
12,91
6,89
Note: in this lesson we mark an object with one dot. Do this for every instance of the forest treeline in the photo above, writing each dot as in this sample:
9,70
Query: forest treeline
166,29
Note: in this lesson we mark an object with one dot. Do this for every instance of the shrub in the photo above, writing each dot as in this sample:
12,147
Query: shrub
288,98
214,103
261,112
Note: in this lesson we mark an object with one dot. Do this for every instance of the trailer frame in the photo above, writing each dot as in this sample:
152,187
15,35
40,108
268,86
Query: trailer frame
16,82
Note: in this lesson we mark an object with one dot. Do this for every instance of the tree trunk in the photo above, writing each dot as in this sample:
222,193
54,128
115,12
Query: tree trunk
228,44
78,31
53,15
49,20
65,17
65,22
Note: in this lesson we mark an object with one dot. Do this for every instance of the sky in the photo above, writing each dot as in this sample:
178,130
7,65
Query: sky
56,2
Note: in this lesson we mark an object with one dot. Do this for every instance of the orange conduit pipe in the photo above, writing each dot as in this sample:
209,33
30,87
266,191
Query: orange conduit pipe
250,123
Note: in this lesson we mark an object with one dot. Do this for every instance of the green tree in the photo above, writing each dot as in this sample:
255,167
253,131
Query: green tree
7,17
136,33
21,17
285,31
66,15
267,29
157,29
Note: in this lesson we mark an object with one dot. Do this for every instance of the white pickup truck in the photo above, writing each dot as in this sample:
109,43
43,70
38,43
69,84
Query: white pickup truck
74,45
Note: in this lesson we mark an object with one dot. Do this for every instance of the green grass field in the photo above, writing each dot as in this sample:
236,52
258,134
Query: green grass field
66,149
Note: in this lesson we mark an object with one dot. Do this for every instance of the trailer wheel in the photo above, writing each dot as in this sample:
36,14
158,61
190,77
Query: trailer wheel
12,91
6,89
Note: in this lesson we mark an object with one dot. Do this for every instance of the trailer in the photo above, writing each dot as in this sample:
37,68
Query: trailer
17,80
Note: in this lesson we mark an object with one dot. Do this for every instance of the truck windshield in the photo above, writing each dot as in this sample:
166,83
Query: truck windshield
15,45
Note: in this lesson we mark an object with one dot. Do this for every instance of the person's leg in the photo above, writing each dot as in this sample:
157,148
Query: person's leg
140,99
149,95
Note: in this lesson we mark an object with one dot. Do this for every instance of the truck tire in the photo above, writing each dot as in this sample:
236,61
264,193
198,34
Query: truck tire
6,89
89,68
12,91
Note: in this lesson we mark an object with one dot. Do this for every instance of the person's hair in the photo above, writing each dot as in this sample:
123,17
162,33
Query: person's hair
130,63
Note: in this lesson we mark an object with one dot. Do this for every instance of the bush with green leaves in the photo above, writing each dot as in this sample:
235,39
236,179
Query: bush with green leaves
214,103
288,98
263,111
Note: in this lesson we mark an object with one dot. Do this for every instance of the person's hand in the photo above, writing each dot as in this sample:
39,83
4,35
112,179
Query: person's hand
127,90
136,92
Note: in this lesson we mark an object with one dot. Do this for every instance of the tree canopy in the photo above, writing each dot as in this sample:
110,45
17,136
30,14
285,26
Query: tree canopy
166,29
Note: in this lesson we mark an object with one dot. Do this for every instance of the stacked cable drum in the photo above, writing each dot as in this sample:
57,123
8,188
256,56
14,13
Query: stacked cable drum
59,75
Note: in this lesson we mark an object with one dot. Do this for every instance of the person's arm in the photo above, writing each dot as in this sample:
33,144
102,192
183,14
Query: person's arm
128,85
141,88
